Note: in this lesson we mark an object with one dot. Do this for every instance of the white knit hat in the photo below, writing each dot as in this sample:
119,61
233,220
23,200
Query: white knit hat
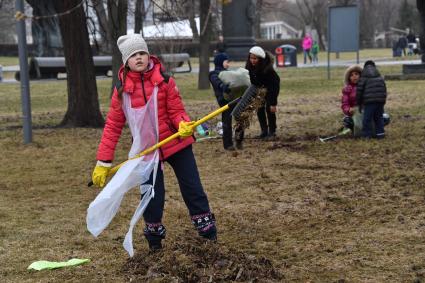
130,44
258,51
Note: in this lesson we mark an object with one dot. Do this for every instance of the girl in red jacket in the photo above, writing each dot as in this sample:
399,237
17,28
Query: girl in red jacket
142,82
348,100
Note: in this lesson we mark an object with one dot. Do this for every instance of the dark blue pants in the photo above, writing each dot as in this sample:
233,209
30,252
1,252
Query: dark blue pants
373,113
184,166
226,119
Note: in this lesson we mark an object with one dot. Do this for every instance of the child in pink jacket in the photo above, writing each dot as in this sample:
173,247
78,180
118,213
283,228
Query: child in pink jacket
348,100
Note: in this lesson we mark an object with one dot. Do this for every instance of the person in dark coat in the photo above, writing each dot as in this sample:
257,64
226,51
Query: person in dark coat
411,43
221,63
261,72
371,97
402,43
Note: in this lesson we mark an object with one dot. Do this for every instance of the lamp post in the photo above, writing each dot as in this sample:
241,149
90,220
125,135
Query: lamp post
420,4
23,71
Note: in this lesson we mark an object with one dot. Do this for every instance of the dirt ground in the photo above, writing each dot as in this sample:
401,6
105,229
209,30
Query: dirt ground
291,209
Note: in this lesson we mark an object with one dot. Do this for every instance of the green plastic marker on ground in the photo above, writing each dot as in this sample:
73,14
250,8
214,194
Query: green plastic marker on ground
44,264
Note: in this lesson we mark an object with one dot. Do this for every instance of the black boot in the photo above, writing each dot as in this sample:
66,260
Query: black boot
205,224
263,135
154,233
239,135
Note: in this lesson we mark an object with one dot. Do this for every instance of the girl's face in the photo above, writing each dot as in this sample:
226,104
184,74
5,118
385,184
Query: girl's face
253,59
138,62
226,64
354,77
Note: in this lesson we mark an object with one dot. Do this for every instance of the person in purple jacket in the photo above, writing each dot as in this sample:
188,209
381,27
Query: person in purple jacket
348,99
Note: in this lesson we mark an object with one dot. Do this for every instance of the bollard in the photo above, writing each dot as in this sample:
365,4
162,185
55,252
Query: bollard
1,73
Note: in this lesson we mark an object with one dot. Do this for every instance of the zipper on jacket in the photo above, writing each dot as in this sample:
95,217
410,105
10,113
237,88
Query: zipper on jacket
143,88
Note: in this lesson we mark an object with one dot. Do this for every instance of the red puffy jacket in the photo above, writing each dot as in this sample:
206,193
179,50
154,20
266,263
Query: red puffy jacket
140,88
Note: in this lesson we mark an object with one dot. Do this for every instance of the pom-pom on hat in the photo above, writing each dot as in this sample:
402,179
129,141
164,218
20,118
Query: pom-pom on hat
220,58
258,51
131,43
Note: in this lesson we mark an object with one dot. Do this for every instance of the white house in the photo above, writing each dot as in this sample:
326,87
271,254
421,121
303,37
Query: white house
168,30
278,30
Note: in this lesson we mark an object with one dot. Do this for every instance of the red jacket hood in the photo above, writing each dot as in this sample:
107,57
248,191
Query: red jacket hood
153,74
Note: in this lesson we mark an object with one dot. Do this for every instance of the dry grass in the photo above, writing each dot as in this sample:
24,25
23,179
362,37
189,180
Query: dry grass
289,210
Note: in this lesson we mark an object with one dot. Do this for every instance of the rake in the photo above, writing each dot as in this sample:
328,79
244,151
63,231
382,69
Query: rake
172,137
342,133
241,104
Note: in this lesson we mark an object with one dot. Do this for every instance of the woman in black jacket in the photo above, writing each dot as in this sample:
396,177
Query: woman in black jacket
261,72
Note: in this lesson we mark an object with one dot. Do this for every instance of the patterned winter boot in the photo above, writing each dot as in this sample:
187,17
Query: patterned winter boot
154,233
205,224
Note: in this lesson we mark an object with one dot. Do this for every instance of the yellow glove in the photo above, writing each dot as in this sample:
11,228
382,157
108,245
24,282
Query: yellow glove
186,129
100,173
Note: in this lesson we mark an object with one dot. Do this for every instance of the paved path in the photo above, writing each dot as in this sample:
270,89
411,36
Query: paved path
334,63
347,63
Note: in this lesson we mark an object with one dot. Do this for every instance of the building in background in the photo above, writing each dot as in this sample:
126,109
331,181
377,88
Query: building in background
278,30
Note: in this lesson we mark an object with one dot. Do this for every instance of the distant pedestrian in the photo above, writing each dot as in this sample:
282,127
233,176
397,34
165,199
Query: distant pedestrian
307,44
411,43
315,52
371,97
402,44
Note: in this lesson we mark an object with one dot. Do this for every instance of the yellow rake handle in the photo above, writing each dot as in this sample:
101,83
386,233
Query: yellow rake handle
170,138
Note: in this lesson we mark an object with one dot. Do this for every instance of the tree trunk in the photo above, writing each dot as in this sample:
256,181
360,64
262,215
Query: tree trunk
102,18
83,103
204,45
192,22
257,20
139,15
45,31
367,23
117,10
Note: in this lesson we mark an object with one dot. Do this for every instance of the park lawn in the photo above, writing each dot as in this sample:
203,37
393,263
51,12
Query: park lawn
9,61
288,210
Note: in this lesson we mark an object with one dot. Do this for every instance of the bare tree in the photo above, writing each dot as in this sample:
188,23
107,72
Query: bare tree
83,104
368,22
185,9
314,13
257,19
387,13
204,44
45,30
139,15
117,26
285,10
190,8
7,23
102,20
